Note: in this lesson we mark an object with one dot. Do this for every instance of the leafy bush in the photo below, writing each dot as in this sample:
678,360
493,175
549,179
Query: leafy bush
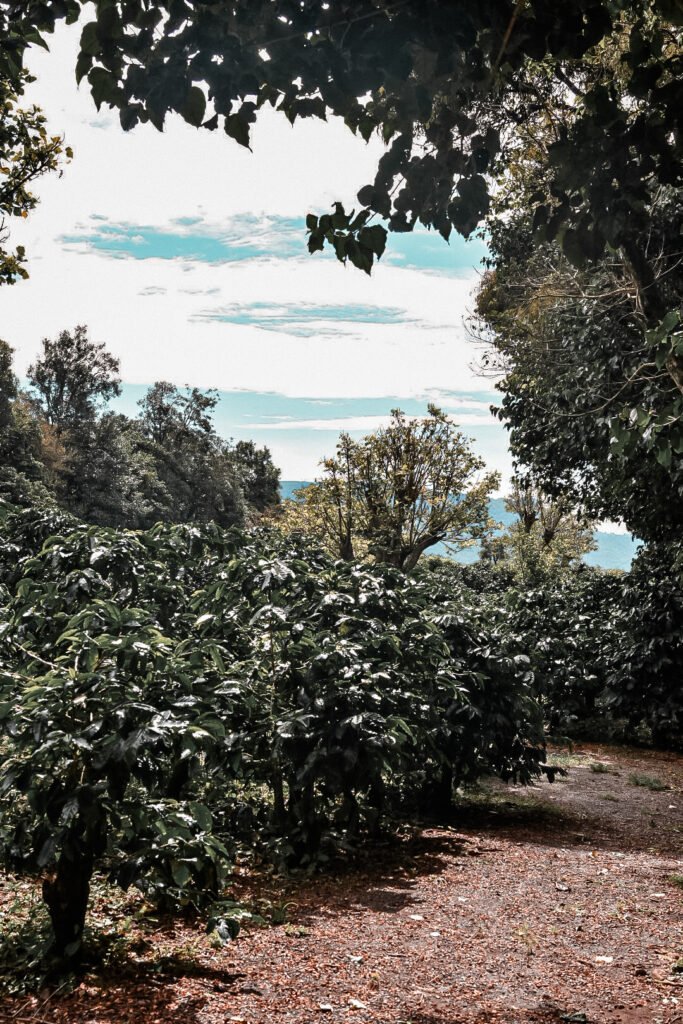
556,623
605,649
564,623
645,656
102,710
355,692
166,693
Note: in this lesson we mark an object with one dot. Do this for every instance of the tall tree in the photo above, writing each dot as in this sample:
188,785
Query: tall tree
73,378
62,444
193,464
167,412
8,386
398,492
259,477
591,406
110,478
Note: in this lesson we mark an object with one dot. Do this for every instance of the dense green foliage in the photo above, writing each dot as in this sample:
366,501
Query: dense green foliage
605,649
590,404
165,695
21,469
441,83
170,696
587,339
556,618
566,622
60,444
645,667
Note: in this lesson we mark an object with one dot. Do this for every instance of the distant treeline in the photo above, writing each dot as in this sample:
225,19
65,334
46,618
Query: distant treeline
61,445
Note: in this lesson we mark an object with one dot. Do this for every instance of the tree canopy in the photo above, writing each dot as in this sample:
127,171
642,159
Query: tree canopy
60,442
27,152
21,470
547,536
72,377
442,84
397,492
591,390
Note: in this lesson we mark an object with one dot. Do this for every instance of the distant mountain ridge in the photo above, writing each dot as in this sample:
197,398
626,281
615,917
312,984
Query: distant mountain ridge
614,550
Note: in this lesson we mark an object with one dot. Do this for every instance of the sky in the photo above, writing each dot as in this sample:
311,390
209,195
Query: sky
186,255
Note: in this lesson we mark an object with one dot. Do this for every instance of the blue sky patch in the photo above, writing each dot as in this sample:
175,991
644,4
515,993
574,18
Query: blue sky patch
247,237
236,410
427,250
188,238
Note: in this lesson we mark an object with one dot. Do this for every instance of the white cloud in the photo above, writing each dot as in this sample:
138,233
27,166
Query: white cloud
148,311
161,332
607,526
353,424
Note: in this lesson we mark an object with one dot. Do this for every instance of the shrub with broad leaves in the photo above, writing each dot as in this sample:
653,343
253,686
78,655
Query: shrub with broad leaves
160,689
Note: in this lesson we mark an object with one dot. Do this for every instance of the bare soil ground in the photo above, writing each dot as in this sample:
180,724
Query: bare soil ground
559,903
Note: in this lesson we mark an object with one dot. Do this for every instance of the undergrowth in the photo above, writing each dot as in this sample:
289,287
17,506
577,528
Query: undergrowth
650,782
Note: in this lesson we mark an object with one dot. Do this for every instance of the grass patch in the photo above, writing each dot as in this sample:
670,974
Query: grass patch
676,880
650,782
600,768
611,797
569,760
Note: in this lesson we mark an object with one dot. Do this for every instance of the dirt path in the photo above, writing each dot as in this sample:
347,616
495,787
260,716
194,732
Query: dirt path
563,903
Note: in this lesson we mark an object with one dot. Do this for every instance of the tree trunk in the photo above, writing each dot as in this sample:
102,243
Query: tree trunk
279,809
441,794
376,800
350,813
302,817
409,559
66,893
180,776
346,548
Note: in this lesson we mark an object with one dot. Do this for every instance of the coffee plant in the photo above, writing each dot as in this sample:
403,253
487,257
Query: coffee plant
167,695
645,658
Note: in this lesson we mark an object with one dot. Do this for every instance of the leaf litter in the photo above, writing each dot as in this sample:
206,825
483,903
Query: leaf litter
535,907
